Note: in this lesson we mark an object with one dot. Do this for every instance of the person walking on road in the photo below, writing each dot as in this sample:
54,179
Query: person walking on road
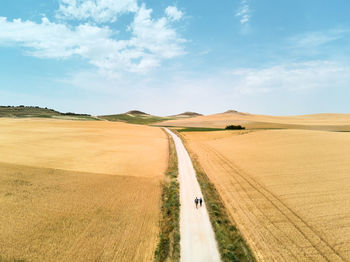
196,201
200,201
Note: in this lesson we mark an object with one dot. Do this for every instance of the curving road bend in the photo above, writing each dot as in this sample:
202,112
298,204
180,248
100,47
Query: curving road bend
197,236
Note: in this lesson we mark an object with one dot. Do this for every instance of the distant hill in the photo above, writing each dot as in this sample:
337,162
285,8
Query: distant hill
329,122
187,115
142,118
136,112
39,112
135,117
234,112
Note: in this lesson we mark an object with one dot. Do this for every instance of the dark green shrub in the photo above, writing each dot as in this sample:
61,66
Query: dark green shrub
233,127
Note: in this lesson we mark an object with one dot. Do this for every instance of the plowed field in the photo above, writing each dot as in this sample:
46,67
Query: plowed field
287,190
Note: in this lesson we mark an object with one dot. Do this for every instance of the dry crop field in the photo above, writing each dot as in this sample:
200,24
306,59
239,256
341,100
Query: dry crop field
335,122
79,191
287,190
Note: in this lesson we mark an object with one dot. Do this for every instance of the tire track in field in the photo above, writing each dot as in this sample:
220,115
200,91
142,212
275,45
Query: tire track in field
316,241
239,171
263,214
248,215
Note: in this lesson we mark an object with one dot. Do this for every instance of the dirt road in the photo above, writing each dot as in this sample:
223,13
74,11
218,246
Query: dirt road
197,236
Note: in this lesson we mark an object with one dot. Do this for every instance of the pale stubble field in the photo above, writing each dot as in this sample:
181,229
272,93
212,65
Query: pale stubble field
80,191
286,190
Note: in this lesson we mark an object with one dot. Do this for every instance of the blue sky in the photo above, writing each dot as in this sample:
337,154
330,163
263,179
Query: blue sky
164,57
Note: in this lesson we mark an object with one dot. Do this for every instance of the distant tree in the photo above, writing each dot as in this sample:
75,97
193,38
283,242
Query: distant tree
233,127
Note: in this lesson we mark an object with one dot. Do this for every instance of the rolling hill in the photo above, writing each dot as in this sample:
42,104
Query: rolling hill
39,112
186,115
139,117
135,117
331,122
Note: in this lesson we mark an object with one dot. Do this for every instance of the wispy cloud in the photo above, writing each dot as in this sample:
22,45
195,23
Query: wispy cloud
246,89
244,13
292,77
151,41
287,77
316,39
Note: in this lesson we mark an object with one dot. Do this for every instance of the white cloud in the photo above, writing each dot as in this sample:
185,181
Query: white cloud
173,13
151,41
292,77
244,13
155,35
100,11
51,40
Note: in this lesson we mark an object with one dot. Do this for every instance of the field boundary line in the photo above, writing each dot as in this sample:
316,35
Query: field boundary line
168,247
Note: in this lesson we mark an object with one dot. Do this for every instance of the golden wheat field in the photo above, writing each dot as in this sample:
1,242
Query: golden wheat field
79,191
335,122
286,190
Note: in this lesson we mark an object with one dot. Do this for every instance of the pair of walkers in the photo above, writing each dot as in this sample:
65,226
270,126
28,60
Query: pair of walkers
198,201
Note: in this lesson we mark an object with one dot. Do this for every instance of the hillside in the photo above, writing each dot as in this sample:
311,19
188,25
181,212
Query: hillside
136,112
39,112
135,117
332,122
132,116
186,115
